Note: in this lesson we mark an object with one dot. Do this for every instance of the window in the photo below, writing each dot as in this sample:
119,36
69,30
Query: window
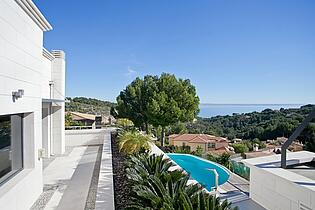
211,145
11,139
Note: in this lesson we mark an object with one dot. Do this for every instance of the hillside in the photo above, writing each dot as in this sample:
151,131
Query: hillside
264,125
88,105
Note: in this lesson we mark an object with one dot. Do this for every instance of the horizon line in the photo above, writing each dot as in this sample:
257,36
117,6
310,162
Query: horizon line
274,104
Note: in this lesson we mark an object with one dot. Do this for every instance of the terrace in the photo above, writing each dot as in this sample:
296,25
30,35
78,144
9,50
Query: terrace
82,177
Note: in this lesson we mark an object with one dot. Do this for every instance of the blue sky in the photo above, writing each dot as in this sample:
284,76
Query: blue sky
236,51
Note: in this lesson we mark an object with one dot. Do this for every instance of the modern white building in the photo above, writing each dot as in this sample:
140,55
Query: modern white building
32,93
276,188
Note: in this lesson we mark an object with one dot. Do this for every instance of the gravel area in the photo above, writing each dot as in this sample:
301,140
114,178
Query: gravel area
90,201
121,188
44,198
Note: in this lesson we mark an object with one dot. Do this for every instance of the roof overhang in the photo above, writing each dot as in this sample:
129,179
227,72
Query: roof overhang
53,102
33,12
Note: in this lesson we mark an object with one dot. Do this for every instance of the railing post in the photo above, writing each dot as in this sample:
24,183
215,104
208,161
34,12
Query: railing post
216,176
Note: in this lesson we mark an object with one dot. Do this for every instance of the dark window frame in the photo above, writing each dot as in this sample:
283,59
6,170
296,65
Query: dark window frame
9,175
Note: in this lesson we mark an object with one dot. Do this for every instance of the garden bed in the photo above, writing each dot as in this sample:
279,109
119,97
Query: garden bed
121,188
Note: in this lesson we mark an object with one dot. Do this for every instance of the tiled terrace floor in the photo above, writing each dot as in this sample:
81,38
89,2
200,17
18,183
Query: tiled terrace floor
71,180
236,190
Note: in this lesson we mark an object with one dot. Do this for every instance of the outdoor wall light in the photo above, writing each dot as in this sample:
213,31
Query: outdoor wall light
17,94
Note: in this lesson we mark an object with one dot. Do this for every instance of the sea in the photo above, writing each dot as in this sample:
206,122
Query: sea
212,110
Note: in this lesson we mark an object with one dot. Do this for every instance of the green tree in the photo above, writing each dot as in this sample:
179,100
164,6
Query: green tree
132,101
223,159
199,151
68,119
178,128
174,100
240,148
309,137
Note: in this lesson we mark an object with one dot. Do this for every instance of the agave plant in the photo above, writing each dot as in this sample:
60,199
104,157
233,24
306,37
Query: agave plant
132,142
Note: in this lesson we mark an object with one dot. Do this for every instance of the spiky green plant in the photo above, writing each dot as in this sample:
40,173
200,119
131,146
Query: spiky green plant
132,142
155,187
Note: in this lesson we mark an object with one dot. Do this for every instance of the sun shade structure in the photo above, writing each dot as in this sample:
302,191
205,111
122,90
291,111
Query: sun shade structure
295,134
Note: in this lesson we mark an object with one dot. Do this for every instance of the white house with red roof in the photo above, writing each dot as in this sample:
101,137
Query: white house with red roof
208,143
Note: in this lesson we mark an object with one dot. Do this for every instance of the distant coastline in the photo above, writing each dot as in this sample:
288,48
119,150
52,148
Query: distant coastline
206,104
210,110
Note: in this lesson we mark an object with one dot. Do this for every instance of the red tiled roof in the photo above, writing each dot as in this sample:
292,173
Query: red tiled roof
198,139
203,138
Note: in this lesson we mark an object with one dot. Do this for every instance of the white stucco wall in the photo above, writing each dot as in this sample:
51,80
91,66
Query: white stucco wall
46,77
275,188
23,66
276,193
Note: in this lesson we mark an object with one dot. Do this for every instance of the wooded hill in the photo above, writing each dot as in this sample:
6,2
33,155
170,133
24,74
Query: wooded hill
88,105
264,125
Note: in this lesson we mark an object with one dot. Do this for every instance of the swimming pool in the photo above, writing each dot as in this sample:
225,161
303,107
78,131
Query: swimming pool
197,168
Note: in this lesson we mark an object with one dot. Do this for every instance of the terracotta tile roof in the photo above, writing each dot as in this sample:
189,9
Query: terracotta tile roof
198,139
203,138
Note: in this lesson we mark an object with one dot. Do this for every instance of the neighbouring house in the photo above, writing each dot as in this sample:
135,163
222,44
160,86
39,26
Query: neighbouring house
108,120
91,119
276,144
207,143
32,95
236,140
84,118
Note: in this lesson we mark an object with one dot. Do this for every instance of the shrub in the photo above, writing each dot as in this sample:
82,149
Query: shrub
155,187
240,148
124,123
223,159
132,142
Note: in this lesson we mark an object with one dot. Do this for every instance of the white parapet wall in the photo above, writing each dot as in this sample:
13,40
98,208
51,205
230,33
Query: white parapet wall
84,137
276,188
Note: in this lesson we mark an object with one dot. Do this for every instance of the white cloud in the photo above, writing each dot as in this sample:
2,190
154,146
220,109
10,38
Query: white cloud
130,72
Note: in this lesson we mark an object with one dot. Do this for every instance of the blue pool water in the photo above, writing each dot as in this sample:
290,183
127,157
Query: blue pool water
197,168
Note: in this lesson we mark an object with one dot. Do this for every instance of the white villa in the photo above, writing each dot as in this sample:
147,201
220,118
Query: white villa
32,89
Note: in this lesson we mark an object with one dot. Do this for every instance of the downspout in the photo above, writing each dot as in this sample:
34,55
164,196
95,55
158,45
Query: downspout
295,134
51,85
